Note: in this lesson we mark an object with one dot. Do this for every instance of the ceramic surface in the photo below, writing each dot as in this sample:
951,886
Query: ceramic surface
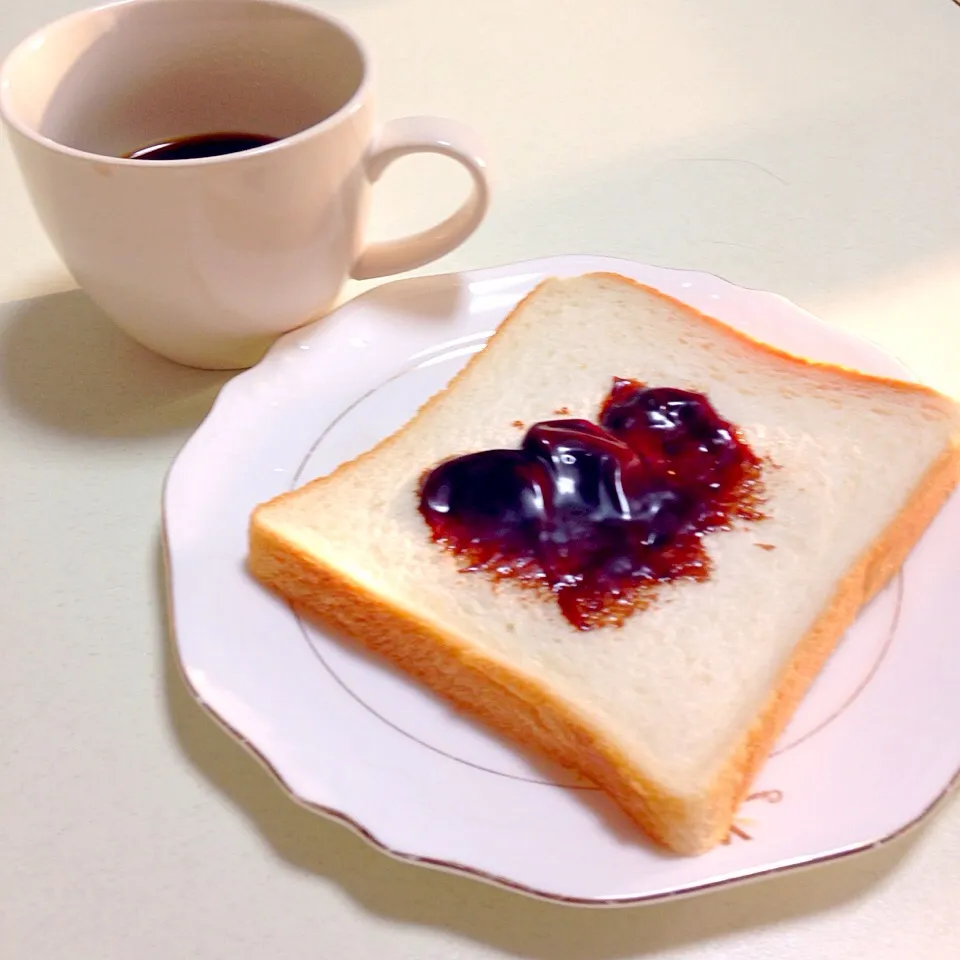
870,750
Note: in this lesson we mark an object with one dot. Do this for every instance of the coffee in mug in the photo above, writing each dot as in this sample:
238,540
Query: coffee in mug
204,168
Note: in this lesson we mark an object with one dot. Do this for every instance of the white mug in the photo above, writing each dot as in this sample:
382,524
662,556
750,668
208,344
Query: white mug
207,260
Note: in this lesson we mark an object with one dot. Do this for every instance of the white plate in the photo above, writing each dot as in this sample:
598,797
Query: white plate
872,748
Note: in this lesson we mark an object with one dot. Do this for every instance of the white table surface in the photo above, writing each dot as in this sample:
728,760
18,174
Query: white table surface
811,148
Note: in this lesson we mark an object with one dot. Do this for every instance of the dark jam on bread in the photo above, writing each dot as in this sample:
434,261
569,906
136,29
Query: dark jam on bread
599,514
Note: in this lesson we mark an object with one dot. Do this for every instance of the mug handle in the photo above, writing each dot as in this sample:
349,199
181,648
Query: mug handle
425,135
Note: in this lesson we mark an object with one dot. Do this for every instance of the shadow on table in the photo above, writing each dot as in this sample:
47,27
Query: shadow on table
506,921
64,364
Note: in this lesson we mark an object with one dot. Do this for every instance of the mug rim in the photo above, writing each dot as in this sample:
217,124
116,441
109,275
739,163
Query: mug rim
356,100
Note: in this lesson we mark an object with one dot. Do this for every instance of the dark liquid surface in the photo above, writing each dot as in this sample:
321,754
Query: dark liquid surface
203,145
599,514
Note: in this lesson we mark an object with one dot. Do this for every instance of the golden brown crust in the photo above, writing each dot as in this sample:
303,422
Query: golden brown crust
510,702
386,442
850,375
862,582
533,715
530,713
766,349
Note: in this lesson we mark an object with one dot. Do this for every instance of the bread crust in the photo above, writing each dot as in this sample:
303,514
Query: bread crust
530,713
535,716
850,375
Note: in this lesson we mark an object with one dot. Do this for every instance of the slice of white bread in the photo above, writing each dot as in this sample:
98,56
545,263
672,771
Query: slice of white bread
673,712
